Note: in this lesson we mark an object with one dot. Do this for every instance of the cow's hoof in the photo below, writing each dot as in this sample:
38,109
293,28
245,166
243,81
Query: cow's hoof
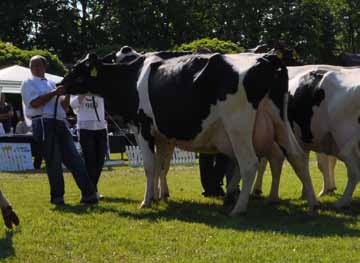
165,198
145,205
328,192
341,206
257,194
234,213
229,200
312,212
303,196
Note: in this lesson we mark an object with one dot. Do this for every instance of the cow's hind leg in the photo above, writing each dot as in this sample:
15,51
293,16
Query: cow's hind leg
353,170
164,153
326,165
257,191
148,156
276,163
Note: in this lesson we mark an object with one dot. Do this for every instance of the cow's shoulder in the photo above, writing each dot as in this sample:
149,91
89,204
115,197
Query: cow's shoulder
305,96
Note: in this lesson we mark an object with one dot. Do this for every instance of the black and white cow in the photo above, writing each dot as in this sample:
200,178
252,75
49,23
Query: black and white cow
204,103
325,117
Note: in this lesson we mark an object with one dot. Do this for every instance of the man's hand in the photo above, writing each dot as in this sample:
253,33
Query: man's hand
60,90
10,217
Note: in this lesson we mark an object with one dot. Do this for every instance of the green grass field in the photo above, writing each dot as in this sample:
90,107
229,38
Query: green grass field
189,228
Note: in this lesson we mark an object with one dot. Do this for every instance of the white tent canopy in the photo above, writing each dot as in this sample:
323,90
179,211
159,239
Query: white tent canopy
11,78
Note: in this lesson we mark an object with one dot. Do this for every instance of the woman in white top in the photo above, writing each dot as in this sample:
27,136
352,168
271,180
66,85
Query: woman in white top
92,132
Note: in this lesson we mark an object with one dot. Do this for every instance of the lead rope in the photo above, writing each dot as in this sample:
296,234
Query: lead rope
95,108
119,129
54,135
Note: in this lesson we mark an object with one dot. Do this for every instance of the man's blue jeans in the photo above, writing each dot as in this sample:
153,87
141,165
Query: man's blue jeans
58,147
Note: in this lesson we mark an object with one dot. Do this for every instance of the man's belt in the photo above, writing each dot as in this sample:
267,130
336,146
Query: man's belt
36,116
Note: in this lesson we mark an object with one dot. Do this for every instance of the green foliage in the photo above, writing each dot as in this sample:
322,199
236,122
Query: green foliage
319,29
214,45
12,55
188,228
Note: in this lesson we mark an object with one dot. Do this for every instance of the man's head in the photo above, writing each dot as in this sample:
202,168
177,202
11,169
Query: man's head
37,66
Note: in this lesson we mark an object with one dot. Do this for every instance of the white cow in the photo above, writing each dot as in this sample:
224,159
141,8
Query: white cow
207,103
332,124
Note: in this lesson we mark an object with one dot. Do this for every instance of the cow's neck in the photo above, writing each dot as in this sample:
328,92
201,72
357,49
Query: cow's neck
120,92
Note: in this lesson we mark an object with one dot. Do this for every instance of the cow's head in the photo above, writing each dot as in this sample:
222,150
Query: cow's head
83,77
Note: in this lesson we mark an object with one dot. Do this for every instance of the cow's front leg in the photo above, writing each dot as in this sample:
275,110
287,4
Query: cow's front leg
148,156
248,172
163,155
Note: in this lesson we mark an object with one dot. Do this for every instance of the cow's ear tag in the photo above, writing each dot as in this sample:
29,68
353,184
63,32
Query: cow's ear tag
93,72
279,54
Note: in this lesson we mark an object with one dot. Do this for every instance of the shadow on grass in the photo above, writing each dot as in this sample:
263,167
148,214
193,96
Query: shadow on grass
34,171
286,217
6,245
123,200
85,209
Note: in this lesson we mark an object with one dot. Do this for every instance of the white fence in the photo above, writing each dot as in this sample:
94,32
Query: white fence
179,157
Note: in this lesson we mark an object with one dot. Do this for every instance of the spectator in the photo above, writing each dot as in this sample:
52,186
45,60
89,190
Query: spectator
40,99
92,133
213,169
23,128
6,113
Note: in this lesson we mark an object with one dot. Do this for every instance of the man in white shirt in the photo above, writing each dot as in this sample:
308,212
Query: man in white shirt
92,133
45,106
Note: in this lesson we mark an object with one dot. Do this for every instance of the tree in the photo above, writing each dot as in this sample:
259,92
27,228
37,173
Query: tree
12,55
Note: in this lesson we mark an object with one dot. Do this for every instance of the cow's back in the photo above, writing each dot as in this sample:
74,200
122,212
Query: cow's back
182,90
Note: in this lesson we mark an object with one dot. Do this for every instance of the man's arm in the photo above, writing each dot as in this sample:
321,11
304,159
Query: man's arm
65,102
43,99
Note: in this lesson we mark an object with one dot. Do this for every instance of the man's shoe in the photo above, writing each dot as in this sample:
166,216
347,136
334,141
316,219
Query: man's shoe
217,193
89,200
57,201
